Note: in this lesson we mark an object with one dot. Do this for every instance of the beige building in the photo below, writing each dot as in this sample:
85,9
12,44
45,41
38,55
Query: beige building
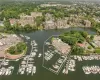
62,23
64,48
26,19
51,23
87,23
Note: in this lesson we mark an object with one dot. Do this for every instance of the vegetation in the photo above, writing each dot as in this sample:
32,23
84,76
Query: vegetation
97,27
97,51
77,50
39,20
72,37
89,47
12,10
18,49
17,28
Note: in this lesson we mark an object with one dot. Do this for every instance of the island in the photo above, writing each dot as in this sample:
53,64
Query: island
11,46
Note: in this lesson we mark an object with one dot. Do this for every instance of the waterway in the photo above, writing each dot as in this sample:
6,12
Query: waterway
42,73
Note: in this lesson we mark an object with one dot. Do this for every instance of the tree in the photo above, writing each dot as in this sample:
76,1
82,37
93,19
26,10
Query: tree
92,37
76,50
39,20
69,40
27,27
84,34
7,24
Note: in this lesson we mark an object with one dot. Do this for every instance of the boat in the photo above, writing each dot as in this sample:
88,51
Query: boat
0,72
17,59
55,66
47,43
22,72
33,54
39,55
35,44
21,35
34,69
27,37
35,50
60,60
65,71
7,72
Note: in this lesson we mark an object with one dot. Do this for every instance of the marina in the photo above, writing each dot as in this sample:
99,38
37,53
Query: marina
70,66
6,71
52,53
35,60
27,65
91,69
87,57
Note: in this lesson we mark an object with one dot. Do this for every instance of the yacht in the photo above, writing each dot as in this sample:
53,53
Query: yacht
56,66
47,43
22,72
33,54
66,71
39,55
7,72
34,69
27,37
0,72
35,50
21,35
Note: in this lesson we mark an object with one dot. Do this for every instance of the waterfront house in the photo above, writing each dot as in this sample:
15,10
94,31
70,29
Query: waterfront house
26,19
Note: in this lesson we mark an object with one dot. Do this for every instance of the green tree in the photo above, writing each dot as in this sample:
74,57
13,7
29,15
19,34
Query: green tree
7,24
76,50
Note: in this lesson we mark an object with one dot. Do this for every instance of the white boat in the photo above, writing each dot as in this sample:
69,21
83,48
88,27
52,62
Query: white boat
56,66
7,72
39,55
35,50
7,60
19,70
23,62
46,53
17,59
47,43
5,63
0,72
22,72
34,69
31,59
33,54
21,35
65,71
87,72
35,44
27,37
60,61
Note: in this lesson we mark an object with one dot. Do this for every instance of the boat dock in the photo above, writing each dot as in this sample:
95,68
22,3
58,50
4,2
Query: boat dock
27,64
91,69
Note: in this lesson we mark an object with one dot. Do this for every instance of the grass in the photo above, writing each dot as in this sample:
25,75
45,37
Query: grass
17,49
97,51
